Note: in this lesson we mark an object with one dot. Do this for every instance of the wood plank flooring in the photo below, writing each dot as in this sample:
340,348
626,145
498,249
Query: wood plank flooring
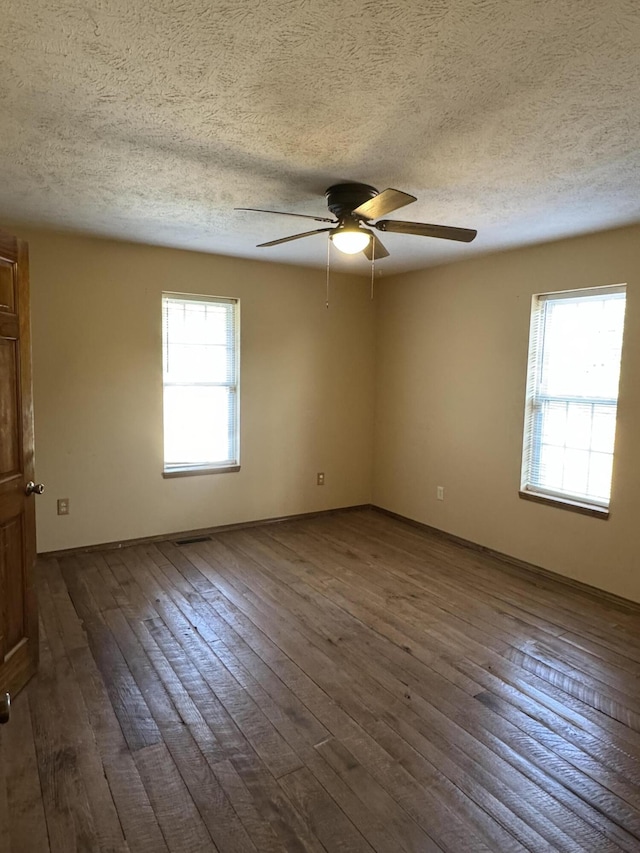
340,683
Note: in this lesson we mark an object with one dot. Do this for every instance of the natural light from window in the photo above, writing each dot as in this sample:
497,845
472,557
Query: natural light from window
572,395
200,378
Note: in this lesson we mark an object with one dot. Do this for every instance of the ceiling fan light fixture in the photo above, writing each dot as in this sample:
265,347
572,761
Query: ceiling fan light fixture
350,241
354,207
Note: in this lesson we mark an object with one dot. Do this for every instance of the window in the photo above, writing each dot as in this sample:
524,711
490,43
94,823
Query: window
200,354
572,395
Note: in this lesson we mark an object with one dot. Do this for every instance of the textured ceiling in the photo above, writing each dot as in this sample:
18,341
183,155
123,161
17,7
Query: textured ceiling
150,120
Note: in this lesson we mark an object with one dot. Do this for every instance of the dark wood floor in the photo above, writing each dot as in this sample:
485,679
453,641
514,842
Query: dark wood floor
343,683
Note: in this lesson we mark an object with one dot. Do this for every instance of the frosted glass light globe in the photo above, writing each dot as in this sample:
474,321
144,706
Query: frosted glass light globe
350,241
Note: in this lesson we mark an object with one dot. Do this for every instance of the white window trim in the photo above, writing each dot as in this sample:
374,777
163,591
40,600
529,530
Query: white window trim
566,500
170,471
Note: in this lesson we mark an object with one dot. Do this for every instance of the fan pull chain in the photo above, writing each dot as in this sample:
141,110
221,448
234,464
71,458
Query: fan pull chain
373,264
328,259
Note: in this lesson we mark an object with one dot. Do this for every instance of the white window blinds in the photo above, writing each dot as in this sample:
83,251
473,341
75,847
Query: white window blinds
572,394
200,377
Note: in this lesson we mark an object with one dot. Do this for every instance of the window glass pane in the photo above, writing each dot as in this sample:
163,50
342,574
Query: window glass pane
198,344
578,430
600,466
551,467
604,428
197,425
575,471
574,368
581,351
200,365
554,423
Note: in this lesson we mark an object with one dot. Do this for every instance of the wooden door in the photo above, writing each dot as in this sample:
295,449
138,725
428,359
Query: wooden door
18,613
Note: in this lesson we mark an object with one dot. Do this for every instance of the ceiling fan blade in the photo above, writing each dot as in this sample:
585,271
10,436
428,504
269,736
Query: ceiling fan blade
284,213
463,235
384,202
379,252
293,237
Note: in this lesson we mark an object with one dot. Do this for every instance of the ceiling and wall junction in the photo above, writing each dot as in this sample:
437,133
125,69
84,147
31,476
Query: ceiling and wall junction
151,121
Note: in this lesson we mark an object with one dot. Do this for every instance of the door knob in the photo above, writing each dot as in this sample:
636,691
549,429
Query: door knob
34,488
5,708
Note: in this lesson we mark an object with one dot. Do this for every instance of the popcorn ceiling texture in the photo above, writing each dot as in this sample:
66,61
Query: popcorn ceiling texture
151,120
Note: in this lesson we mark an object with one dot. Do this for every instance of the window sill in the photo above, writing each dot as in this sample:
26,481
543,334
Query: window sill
565,503
194,472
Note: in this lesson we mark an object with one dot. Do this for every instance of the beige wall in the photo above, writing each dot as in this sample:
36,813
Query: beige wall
306,392
450,346
451,356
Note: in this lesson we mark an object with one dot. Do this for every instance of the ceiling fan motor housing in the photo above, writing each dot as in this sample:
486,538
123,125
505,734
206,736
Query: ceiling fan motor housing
342,199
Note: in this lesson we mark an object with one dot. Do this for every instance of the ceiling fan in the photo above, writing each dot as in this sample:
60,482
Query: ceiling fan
354,206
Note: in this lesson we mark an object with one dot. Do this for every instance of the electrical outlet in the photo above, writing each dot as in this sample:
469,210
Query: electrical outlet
320,479
63,506
440,493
